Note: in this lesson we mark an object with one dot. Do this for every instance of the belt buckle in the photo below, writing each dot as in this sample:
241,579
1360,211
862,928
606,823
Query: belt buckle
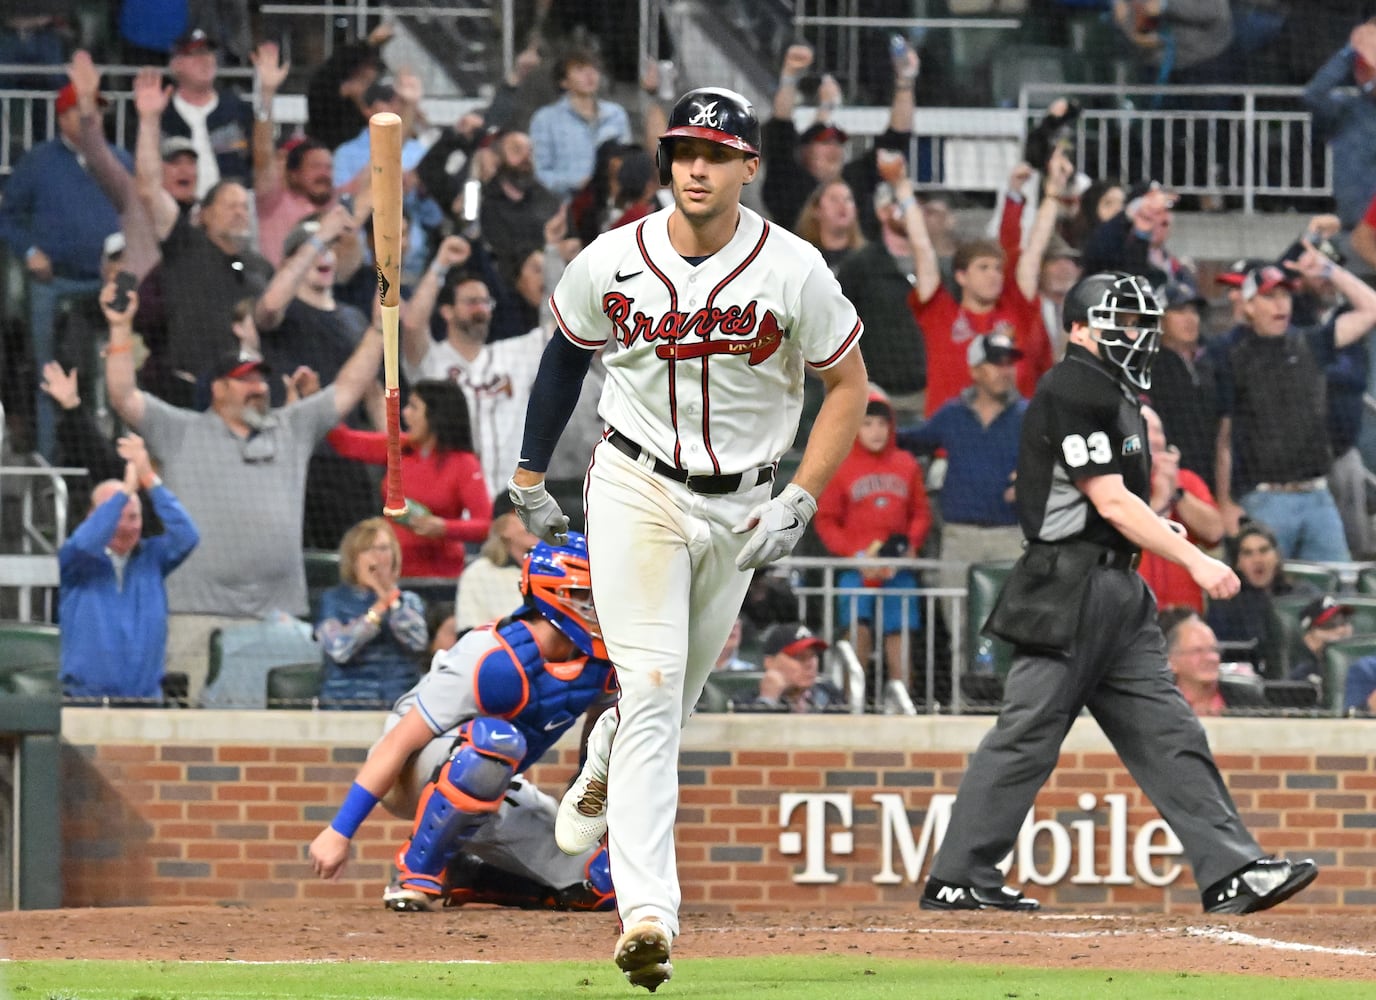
691,479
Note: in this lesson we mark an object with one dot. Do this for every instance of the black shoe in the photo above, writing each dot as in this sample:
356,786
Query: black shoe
939,895
1259,886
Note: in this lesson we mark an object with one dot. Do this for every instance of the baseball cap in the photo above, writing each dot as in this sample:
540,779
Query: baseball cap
1236,272
1179,294
823,132
1322,611
996,348
194,40
113,246
300,233
791,638
175,145
238,364
1261,280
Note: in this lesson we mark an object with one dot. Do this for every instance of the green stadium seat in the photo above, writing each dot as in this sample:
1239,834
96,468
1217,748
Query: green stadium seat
322,573
738,686
1288,610
713,698
983,583
1321,575
1366,581
295,685
29,646
1337,658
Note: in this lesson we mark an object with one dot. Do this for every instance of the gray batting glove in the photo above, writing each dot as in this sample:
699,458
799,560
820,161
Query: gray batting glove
539,512
778,524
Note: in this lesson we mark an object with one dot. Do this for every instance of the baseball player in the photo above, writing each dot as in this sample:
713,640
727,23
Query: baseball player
454,747
709,315
1084,627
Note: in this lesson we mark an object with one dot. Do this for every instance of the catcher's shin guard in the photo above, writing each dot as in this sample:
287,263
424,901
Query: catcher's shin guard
466,791
595,892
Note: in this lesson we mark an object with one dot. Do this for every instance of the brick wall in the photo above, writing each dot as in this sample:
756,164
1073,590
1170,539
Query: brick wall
185,807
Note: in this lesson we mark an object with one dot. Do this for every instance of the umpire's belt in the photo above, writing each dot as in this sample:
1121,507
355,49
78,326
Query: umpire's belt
1299,486
1119,559
1098,555
711,485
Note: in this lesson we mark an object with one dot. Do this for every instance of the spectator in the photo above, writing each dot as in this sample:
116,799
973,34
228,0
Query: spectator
31,38
729,659
593,207
516,206
1231,278
790,683
637,188
876,506
81,444
1060,270
1192,654
1323,621
1099,203
495,378
112,601
1359,697
216,119
335,109
795,164
565,135
1273,451
490,586
829,222
1349,120
1178,495
979,432
167,169
79,331
997,295
240,470
452,160
368,628
55,218
876,279
1184,385
447,500
1134,240
1183,42
1249,617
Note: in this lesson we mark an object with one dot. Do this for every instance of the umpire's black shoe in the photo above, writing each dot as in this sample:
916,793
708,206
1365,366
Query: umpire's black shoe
939,895
1259,886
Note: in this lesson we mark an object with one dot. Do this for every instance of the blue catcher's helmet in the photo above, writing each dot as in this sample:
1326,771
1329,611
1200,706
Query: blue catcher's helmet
556,582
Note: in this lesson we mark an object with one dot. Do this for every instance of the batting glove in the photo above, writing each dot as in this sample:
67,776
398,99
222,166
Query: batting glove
539,512
778,524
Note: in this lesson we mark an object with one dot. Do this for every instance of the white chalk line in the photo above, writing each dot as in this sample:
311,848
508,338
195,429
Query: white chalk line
1222,935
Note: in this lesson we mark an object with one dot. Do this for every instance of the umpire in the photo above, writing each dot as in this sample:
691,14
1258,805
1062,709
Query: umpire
1084,627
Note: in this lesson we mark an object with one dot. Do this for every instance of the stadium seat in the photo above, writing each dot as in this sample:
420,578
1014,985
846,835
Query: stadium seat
26,646
713,698
295,685
242,654
322,573
1366,581
983,583
1337,658
1288,610
1320,575
738,687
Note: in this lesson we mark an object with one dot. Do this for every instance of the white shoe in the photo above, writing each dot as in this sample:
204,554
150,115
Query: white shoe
581,822
642,953
403,900
896,699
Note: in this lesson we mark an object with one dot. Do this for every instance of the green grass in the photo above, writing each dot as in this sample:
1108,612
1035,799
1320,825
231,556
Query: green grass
781,978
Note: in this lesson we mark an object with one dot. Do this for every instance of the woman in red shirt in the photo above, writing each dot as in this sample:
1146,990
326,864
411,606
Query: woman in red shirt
441,473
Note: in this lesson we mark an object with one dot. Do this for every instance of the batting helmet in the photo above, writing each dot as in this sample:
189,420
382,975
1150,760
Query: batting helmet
556,582
712,113
1124,319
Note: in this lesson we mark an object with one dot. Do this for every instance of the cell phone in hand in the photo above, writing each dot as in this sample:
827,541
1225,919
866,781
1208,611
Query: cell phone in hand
894,546
125,283
472,200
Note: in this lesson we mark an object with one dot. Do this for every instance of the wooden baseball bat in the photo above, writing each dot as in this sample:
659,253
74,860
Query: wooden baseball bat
385,138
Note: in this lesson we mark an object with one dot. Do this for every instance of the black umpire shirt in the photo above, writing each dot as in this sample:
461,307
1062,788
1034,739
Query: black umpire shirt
1081,422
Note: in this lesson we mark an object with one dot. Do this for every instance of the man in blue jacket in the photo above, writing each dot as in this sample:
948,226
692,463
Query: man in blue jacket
112,604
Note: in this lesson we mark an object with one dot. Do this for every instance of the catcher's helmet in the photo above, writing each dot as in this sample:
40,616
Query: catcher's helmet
1123,317
712,113
556,582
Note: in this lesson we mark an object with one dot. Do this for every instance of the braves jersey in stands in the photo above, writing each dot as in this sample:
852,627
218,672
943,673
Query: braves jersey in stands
497,670
705,362
1082,422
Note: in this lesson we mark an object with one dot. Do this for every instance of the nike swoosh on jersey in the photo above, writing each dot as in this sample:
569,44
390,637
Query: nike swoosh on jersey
790,527
628,277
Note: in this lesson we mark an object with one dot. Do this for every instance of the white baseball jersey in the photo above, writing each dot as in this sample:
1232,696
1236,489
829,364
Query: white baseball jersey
496,384
700,358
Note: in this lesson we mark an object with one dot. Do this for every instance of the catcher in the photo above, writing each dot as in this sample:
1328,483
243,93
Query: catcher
454,747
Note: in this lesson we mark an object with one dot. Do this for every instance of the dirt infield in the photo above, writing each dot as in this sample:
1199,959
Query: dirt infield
1270,945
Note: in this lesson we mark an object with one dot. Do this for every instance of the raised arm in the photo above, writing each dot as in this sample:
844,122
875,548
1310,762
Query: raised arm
905,68
416,311
1029,267
150,101
120,384
269,72
1354,324
893,170
271,306
359,372
797,59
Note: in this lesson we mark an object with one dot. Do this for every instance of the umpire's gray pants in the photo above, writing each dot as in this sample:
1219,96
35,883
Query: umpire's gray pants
1118,671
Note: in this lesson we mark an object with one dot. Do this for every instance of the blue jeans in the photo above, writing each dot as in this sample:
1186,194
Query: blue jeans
864,605
44,297
1307,525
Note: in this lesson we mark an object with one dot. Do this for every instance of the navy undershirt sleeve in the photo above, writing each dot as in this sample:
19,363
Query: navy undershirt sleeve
558,384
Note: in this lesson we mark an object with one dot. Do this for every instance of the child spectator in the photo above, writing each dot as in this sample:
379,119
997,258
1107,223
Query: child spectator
875,506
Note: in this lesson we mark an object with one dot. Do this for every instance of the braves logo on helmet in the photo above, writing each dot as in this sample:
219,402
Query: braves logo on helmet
705,115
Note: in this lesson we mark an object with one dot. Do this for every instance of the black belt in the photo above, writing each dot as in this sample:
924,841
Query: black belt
711,485
1119,559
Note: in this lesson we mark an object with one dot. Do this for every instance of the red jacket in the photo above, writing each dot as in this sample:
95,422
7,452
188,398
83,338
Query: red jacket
872,496
450,483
